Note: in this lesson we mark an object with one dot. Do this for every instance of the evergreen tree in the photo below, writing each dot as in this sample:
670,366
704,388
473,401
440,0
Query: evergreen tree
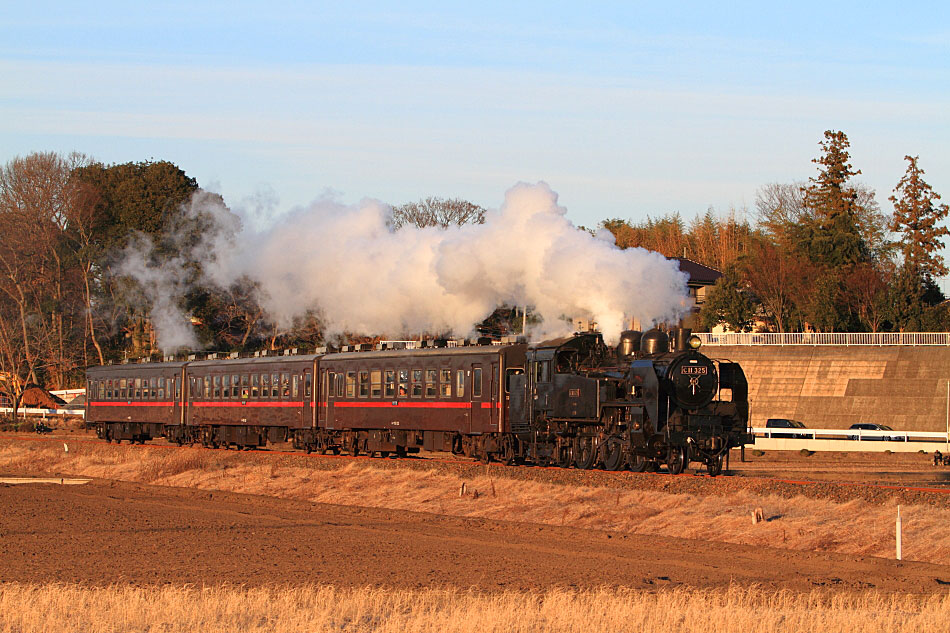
916,214
728,302
830,235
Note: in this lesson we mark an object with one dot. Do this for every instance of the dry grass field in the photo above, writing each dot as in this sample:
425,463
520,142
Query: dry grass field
170,609
853,527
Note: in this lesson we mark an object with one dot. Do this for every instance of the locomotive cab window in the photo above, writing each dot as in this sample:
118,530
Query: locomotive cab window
543,371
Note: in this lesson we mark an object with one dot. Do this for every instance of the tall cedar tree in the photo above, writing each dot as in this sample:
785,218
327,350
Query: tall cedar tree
832,237
916,214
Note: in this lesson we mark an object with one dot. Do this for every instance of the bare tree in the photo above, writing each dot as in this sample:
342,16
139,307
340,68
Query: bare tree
437,212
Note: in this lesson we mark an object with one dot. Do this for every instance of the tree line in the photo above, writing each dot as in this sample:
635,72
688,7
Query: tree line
818,255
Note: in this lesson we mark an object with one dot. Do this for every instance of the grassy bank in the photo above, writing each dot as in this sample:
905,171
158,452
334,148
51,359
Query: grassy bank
169,609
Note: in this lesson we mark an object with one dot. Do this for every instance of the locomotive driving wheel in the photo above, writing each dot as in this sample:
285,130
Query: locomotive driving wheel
676,460
585,452
613,455
638,463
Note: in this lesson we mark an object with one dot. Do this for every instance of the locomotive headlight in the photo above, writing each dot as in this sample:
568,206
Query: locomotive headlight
694,342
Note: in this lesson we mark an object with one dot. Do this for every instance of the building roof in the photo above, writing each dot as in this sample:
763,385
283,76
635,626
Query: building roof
698,274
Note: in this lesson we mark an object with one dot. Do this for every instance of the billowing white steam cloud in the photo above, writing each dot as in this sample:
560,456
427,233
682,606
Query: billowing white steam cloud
346,263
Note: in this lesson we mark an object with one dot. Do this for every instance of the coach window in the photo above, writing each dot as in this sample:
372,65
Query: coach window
403,383
307,378
155,384
390,389
460,383
265,385
364,384
207,387
416,383
108,389
255,385
445,383
226,386
235,384
430,383
177,388
339,385
376,383
274,385
245,386
329,380
476,382
216,382
138,388
351,384
285,386
296,386
161,388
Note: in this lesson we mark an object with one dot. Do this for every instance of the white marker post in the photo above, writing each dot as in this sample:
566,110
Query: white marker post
899,553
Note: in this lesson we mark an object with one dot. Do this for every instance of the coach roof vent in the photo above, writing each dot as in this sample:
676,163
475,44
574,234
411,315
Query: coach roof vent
290,352
320,350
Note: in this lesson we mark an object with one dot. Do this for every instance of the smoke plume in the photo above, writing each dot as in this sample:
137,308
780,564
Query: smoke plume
345,262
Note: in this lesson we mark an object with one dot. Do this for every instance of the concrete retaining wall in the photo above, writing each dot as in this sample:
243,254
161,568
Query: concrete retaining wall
832,387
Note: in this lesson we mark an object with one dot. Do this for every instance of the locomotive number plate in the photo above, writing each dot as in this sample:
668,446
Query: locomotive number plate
693,370
575,393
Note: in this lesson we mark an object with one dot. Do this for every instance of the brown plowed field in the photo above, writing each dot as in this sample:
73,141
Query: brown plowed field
111,532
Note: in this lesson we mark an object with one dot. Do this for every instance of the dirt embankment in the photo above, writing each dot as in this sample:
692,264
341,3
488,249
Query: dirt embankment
113,532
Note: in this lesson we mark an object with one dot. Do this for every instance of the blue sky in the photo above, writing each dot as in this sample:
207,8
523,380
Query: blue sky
625,109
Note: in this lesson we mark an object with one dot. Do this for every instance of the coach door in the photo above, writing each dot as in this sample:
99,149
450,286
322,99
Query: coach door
494,399
479,399
308,398
323,399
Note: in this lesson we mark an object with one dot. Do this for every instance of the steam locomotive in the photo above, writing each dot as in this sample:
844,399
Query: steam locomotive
568,402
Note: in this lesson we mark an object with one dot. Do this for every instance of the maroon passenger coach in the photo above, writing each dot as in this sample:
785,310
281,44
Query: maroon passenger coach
389,401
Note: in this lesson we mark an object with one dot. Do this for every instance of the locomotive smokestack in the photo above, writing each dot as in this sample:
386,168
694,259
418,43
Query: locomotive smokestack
682,339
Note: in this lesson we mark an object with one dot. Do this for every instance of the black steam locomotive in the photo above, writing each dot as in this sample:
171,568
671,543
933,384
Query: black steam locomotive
642,404
568,402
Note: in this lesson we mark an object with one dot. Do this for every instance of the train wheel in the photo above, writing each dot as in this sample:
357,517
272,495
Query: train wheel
585,452
613,456
714,466
676,460
638,463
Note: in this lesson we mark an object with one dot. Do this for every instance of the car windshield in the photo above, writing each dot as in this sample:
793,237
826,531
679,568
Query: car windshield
797,424
884,427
